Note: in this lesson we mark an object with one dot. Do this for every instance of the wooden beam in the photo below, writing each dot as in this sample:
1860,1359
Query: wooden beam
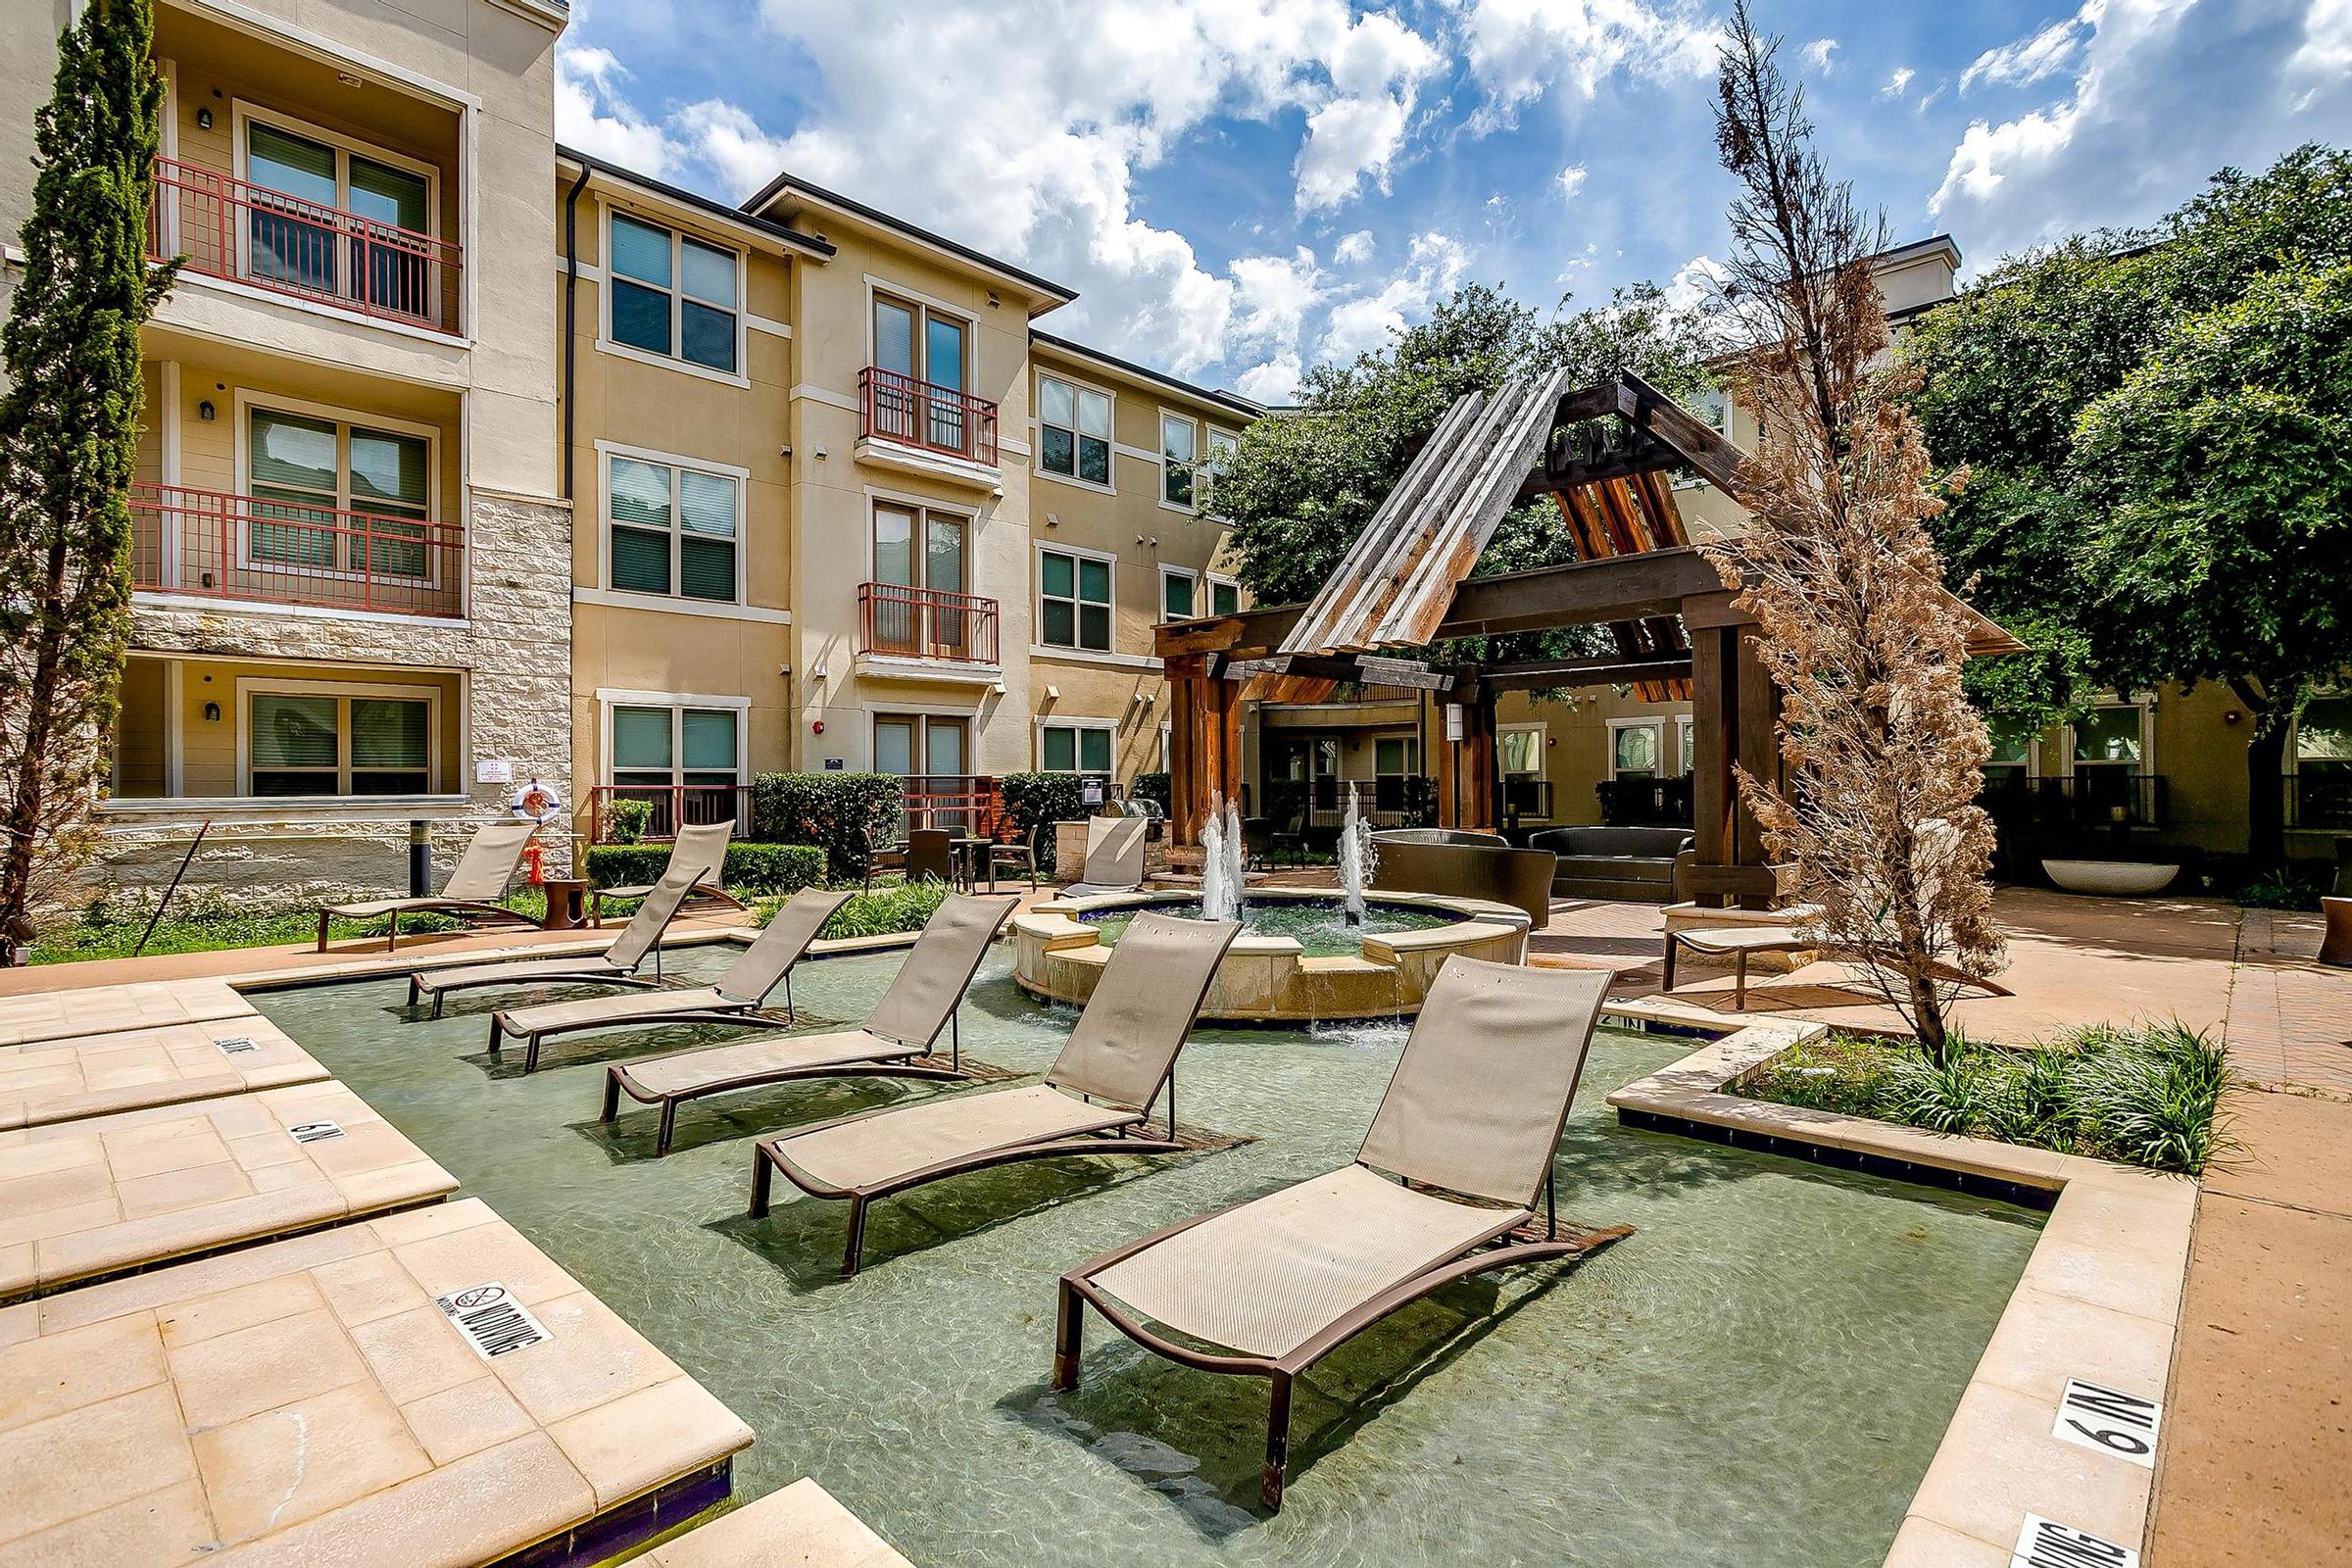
1608,670
1651,457
1716,459
1582,593
1255,628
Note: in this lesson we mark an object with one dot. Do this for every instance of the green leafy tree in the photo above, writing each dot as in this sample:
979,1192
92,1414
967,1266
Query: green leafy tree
2086,547
68,431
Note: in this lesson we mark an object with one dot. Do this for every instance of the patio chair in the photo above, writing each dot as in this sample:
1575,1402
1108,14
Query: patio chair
1022,857
1096,1096
1469,1126
881,857
479,877
921,1002
735,998
701,848
931,855
617,965
1115,856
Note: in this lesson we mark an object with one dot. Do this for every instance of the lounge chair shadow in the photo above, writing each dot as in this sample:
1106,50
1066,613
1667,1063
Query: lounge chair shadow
602,1049
1129,1403
630,1139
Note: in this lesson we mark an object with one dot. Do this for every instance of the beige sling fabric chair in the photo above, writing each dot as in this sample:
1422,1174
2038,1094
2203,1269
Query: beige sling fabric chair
479,877
1115,856
701,848
735,998
1470,1123
904,1024
617,965
1097,1095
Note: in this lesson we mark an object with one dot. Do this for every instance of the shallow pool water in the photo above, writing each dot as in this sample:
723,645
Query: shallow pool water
1758,1376
1321,928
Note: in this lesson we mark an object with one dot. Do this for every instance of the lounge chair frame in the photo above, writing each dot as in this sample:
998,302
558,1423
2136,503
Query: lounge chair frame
591,968
438,904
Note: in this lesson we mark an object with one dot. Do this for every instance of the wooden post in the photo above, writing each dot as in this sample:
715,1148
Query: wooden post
1714,728
1465,772
1204,744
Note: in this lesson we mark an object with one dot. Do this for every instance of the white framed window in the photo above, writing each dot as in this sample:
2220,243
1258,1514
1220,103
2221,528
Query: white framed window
1715,409
1395,760
660,746
1179,454
673,526
1224,595
308,465
1074,599
1635,748
922,745
1686,752
1074,431
1222,444
1519,757
670,296
337,738
299,247
2116,733
1180,597
1079,747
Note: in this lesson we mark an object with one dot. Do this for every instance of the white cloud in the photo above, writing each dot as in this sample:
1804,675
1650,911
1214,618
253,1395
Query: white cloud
1898,83
1272,295
1694,283
1375,76
1818,52
2038,55
1520,50
1275,381
593,115
1353,248
731,143
1572,180
1366,323
2254,76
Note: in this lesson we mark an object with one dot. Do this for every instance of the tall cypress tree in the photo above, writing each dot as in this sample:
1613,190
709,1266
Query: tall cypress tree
68,434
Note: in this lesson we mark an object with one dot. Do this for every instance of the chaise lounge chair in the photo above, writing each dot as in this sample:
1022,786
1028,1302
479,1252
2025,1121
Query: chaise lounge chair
617,965
1115,856
480,876
1470,1123
1096,1095
921,1002
701,849
735,998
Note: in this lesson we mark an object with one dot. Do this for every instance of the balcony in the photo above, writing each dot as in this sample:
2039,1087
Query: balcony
673,806
926,428
927,626
961,803
1636,800
282,244
208,544
2320,800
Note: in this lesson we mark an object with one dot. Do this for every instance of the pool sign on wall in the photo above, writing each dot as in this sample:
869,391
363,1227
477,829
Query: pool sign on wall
2047,1543
2109,1421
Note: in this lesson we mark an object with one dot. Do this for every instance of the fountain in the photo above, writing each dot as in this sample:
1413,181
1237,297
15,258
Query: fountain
1223,862
1356,851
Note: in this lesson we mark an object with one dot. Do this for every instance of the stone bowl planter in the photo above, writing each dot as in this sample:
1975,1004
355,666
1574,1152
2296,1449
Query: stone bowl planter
2116,879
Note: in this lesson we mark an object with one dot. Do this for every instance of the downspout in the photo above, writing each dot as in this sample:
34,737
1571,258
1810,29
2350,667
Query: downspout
571,309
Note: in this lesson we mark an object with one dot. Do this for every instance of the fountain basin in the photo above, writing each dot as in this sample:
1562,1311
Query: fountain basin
1060,950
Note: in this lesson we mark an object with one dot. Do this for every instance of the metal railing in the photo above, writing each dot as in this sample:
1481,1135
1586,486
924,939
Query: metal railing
892,406
210,544
673,806
252,234
1656,802
925,624
2320,800
2105,797
961,803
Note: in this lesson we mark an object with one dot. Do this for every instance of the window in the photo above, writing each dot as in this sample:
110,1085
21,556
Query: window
900,739
1222,444
673,295
1073,600
2111,782
918,575
1715,408
2108,737
1520,755
2323,764
1224,596
917,344
1073,431
1396,760
1179,594
674,528
2012,755
304,470
1686,749
1074,749
1633,748
1177,435
657,748
295,244
314,742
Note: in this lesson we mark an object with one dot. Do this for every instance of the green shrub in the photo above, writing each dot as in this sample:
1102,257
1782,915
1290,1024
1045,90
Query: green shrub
2279,890
902,907
835,812
625,820
214,923
1153,787
1033,799
1947,1097
759,868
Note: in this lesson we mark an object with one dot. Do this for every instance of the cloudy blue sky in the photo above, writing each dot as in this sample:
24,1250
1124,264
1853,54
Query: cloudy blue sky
1239,187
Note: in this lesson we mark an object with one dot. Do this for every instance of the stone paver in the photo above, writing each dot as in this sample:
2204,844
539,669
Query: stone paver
32,1014
802,1526
89,1198
308,1401
96,1075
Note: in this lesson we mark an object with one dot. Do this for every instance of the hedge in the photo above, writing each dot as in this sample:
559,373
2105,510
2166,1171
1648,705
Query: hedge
1046,797
828,811
773,868
1153,787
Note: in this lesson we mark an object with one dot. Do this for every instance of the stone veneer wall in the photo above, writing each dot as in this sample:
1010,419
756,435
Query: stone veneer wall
515,650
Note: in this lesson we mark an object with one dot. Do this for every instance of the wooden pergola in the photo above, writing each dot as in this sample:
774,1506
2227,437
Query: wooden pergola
1603,456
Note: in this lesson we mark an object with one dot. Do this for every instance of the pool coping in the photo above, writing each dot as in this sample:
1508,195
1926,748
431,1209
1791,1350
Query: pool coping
2100,1300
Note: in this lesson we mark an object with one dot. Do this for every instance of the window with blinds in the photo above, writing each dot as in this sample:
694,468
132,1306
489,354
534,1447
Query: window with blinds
657,748
303,471
324,744
673,529
673,295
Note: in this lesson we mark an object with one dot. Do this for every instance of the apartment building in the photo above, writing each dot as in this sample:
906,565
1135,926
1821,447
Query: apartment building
351,607
842,507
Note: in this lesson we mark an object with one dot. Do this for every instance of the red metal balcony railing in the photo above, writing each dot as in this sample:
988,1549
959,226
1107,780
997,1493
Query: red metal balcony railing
892,406
673,805
254,235
963,803
214,545
925,624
